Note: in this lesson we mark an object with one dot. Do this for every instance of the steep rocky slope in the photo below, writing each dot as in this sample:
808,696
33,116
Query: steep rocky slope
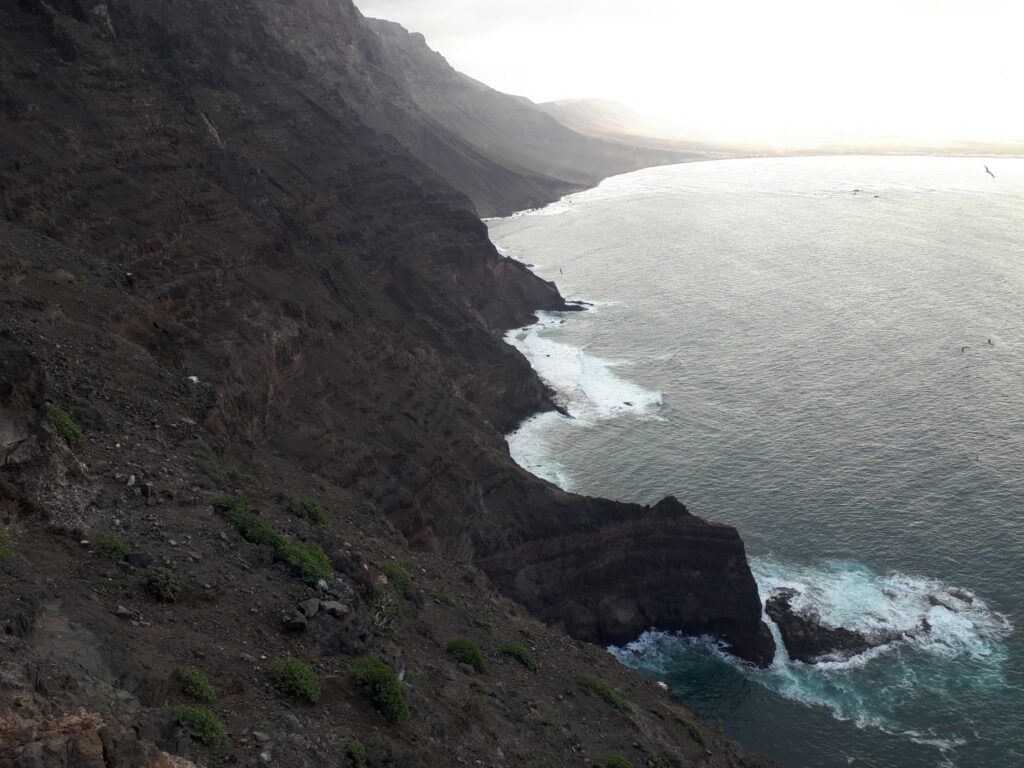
511,131
235,284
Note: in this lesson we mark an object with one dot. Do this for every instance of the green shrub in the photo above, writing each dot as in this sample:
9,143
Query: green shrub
307,559
5,548
206,724
65,427
163,585
486,626
614,761
483,690
467,652
356,754
380,683
521,654
444,598
251,526
601,688
112,546
398,578
228,504
694,732
242,478
310,509
195,684
296,679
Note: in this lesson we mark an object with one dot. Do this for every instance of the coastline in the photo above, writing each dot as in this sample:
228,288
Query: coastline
958,621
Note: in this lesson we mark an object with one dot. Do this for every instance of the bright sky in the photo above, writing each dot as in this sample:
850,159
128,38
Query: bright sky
949,69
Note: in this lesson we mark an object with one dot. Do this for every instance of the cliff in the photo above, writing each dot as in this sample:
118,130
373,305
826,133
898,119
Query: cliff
508,130
218,265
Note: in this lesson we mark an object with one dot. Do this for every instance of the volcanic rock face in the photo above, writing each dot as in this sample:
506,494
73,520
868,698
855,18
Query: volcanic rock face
809,640
212,260
618,570
509,130
230,213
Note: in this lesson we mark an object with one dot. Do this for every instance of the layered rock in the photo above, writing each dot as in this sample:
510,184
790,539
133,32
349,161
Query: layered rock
617,570
190,193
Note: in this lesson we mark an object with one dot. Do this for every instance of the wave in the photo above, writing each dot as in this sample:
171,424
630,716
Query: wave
552,209
851,595
586,388
877,688
585,385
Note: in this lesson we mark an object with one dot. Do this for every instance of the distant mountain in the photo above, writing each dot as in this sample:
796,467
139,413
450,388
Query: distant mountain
511,132
613,121
602,117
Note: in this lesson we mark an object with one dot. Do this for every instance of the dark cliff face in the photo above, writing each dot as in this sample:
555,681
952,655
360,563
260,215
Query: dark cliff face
512,131
620,569
229,214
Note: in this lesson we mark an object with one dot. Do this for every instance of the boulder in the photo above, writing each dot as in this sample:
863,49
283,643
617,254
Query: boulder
807,638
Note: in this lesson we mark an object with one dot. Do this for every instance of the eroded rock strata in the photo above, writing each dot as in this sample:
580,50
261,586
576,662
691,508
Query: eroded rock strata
234,285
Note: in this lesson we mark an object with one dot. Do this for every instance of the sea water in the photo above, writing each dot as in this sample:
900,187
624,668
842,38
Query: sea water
827,353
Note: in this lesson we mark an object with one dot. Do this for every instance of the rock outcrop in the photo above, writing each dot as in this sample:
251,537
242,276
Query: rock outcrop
807,638
617,570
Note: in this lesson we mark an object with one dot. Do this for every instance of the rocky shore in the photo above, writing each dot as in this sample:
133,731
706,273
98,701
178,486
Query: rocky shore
252,398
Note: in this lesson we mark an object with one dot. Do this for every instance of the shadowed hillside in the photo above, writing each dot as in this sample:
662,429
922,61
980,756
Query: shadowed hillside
252,398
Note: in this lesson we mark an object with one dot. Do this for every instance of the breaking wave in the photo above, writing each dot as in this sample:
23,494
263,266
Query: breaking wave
872,689
586,387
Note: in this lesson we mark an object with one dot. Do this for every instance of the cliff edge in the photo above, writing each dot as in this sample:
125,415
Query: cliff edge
232,285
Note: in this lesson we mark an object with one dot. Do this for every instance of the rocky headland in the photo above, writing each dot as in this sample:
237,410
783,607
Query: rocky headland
252,399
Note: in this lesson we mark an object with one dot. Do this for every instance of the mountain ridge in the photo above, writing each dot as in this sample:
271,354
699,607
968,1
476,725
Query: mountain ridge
247,298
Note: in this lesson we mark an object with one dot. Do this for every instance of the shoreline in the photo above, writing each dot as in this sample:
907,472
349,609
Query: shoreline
901,591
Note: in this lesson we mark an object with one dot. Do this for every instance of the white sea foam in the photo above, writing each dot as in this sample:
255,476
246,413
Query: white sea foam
530,449
586,387
851,595
870,688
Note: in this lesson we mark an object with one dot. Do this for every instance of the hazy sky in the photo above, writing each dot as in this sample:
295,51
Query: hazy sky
930,68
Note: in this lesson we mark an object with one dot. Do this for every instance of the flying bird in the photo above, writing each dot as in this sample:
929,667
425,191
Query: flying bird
989,172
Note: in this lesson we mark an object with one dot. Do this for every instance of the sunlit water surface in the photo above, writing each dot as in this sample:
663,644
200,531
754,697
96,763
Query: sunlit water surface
780,343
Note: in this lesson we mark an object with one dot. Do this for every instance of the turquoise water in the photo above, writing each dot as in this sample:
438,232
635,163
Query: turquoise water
780,343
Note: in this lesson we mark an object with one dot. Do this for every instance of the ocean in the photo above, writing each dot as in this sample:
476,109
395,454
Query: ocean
827,353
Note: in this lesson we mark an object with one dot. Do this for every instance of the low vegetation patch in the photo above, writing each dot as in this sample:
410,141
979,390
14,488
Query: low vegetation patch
309,509
206,725
65,427
306,558
477,687
296,679
195,684
162,584
387,613
251,526
112,546
596,685
5,548
443,598
398,578
355,753
380,684
521,654
466,651
614,761
694,732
